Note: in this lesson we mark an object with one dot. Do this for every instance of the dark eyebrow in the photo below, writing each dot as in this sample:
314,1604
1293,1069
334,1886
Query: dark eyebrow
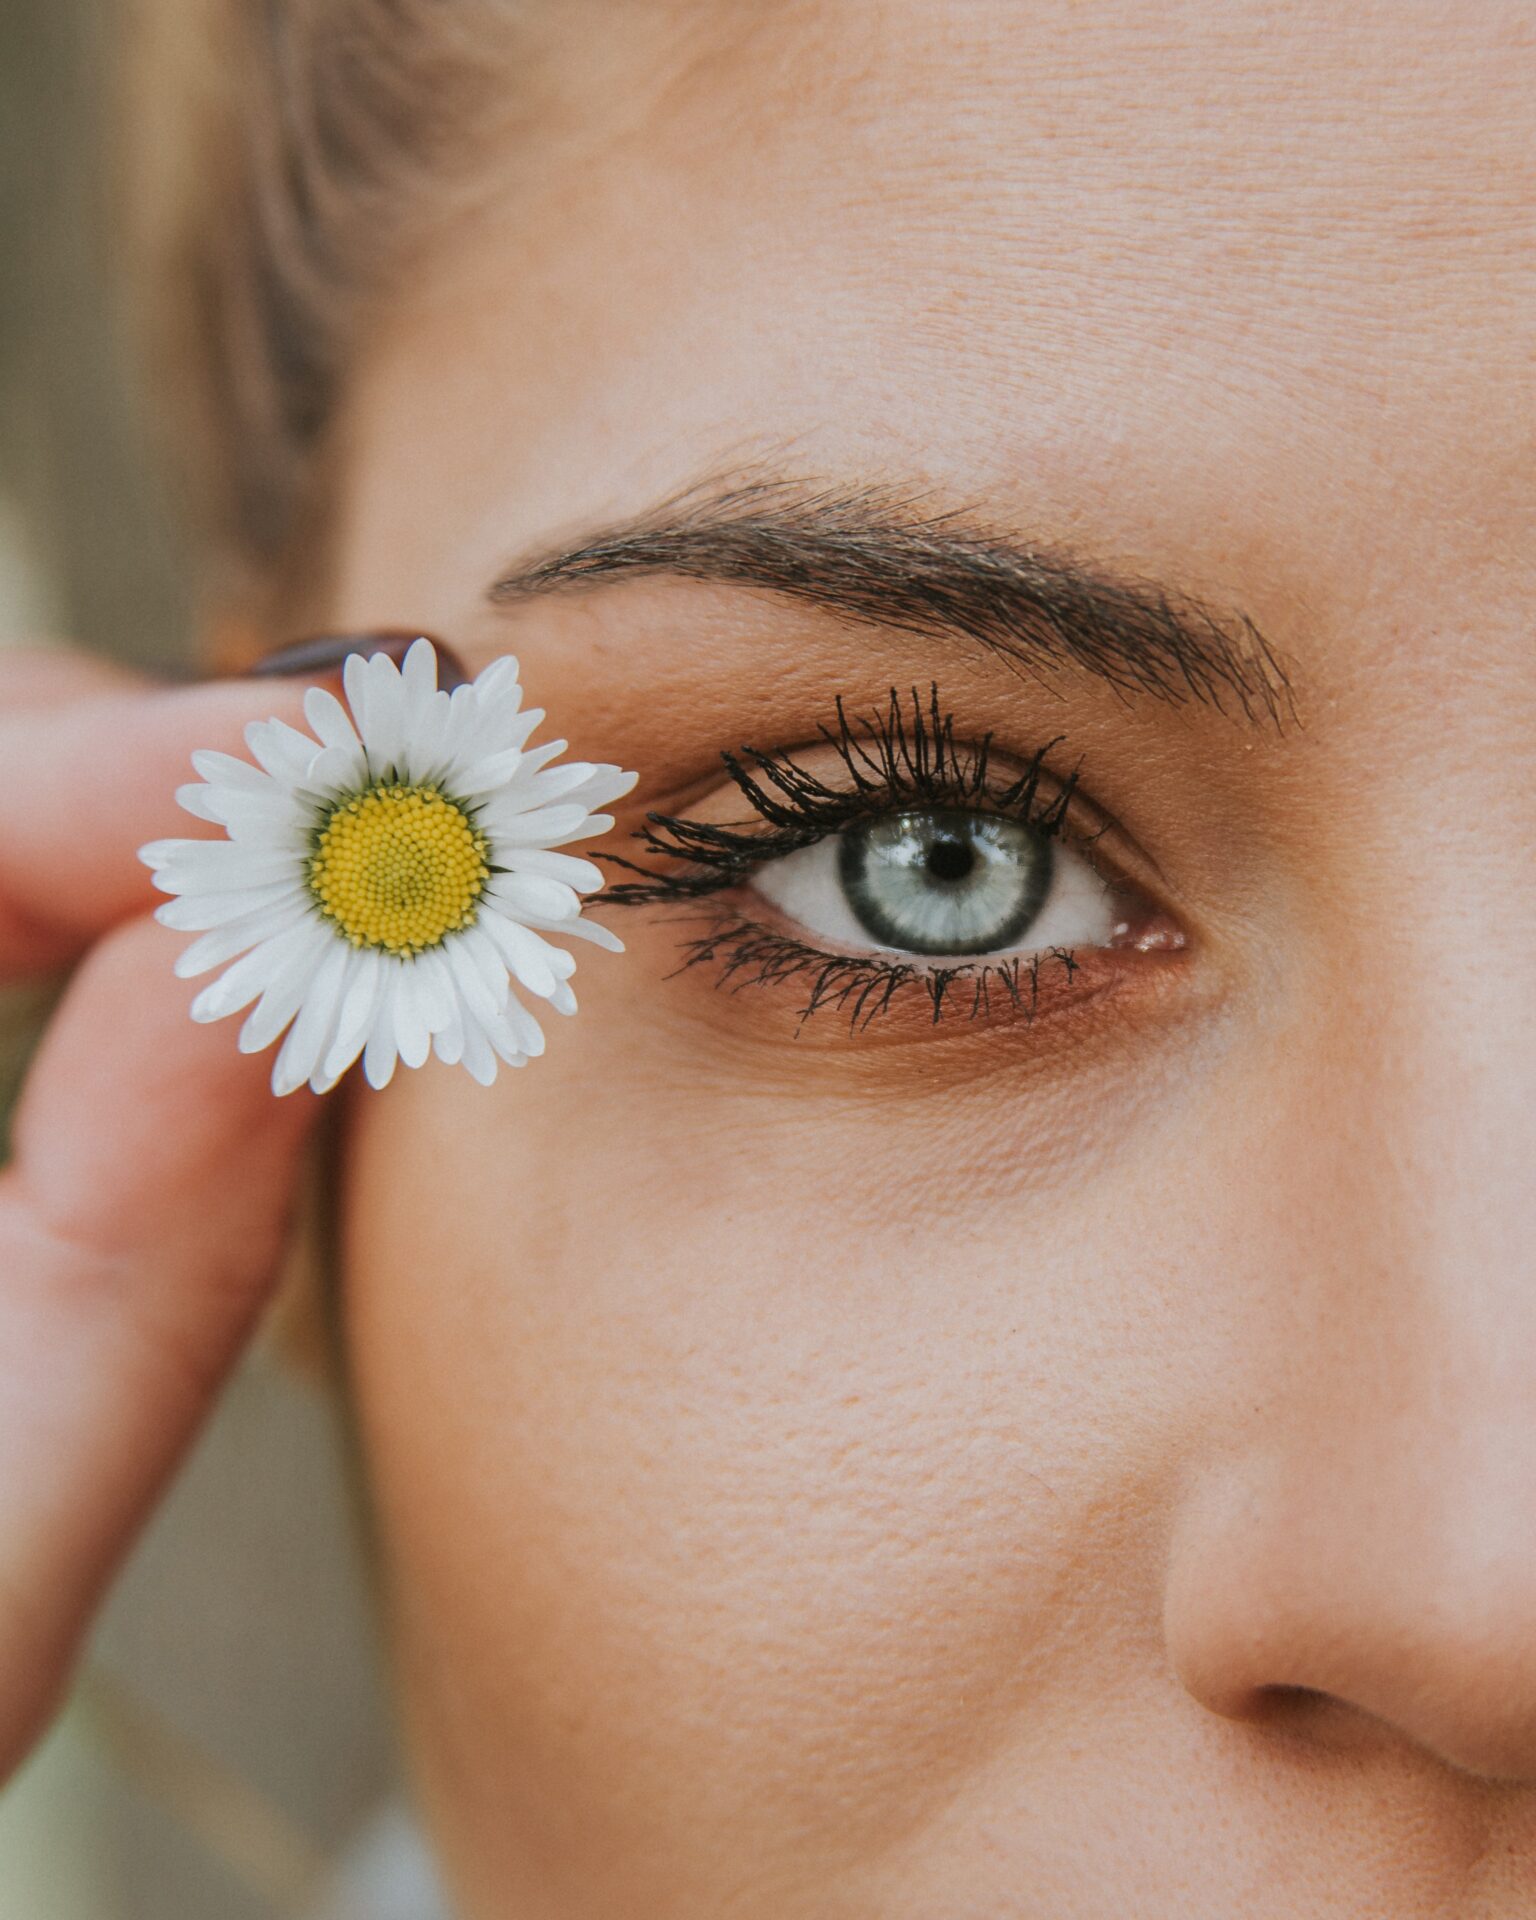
873,555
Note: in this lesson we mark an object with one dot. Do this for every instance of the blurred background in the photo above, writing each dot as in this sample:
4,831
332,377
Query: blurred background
88,545
227,1753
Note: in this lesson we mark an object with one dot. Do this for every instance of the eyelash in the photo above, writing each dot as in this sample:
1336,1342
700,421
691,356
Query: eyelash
901,757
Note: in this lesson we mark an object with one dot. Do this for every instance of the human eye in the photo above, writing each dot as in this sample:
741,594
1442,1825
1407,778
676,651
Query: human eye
942,883
891,858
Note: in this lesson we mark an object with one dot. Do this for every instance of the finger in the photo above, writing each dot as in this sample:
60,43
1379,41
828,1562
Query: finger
141,1225
92,761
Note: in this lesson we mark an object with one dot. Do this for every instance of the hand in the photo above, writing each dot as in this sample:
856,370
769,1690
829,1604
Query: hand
144,1211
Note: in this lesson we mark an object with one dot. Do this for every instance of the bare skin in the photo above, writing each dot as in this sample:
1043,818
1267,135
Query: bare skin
1063,1467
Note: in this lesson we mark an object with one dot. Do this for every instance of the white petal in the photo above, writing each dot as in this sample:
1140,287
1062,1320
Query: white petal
249,978
380,1054
448,1042
527,1035
504,1041
282,999
462,713
334,771
413,1036
496,673
196,912
540,756
525,893
479,1057
563,1000
194,798
478,997
435,989
300,1053
293,839
540,828
582,929
418,674
321,1079
379,1059
277,817
595,786
541,789
494,731
160,853
488,772
494,709
580,874
328,717
424,712
219,866
425,759
286,753
383,728
224,770
603,784
487,957
497,690
354,684
213,949
504,724
503,753
595,824
358,1014
533,961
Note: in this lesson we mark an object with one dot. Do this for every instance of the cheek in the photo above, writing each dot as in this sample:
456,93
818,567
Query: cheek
744,1464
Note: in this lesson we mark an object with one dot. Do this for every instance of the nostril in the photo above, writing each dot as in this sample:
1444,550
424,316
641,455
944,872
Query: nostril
1323,1723
1299,1697
1309,1717
1277,1704
1488,1738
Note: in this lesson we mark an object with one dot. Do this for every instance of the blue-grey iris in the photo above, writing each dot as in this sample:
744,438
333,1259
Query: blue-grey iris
945,881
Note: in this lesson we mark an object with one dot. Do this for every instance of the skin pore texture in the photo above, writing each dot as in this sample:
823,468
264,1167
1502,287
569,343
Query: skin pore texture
1073,1467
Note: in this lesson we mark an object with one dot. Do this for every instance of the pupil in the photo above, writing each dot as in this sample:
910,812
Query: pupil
950,860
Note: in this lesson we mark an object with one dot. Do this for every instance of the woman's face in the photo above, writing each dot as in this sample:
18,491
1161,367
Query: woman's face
1074,1456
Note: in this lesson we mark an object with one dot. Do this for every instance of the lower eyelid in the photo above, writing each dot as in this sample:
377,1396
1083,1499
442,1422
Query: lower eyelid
871,998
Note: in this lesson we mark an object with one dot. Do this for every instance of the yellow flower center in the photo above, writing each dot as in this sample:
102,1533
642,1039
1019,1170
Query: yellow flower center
398,868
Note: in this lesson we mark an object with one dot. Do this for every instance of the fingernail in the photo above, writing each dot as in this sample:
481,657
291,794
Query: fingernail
325,652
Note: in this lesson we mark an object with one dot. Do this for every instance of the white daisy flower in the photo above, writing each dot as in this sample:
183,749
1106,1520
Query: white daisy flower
385,883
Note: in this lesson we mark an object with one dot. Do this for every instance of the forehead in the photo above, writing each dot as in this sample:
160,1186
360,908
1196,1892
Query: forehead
1262,277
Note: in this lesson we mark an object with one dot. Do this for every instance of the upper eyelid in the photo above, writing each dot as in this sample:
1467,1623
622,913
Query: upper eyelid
1107,825
692,834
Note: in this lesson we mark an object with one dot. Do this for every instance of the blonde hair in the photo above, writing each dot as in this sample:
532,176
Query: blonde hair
287,159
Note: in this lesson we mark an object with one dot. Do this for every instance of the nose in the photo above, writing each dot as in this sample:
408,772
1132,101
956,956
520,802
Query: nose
1393,1575
1356,1550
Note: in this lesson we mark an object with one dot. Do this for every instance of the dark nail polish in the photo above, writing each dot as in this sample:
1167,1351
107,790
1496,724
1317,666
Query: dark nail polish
324,653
